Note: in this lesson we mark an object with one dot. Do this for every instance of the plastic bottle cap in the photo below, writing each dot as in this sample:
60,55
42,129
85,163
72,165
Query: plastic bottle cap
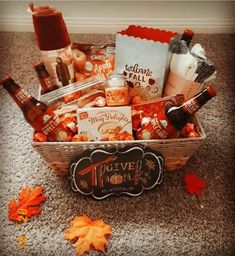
211,90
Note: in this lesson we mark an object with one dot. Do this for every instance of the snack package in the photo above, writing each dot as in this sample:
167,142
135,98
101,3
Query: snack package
76,95
105,124
93,60
141,55
141,112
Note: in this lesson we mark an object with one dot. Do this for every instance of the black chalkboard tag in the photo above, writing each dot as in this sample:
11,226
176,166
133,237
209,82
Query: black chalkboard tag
104,172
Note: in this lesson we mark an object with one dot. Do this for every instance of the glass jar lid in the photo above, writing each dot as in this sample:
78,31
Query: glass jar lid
116,80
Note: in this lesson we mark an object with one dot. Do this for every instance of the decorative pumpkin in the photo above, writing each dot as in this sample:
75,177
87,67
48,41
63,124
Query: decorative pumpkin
116,179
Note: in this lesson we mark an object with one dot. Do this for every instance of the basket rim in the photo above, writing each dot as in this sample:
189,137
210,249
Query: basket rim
160,141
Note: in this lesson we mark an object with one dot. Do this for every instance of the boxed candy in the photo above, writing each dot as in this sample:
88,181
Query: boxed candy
105,124
146,109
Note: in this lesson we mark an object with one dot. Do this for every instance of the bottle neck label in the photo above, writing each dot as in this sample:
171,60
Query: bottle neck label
22,97
191,106
47,83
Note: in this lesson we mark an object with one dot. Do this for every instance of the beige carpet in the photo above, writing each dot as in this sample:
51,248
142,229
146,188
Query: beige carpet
164,221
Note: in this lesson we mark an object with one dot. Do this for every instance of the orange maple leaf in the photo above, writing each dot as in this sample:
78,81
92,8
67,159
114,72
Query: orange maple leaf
88,234
28,205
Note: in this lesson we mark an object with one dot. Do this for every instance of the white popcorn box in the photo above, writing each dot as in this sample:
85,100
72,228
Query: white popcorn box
103,124
141,55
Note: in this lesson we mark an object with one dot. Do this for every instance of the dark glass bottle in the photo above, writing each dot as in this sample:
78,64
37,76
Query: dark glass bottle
47,83
37,113
179,115
170,119
187,36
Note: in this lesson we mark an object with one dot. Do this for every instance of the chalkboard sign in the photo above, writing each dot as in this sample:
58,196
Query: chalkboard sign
103,172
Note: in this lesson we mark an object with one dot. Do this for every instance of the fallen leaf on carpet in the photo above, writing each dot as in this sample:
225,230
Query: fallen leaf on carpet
88,234
194,184
28,205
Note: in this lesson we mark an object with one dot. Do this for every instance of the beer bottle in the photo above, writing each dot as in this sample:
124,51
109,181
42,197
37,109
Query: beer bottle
172,118
187,36
37,113
47,83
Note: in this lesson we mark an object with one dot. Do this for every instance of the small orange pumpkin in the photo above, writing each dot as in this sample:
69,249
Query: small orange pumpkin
116,179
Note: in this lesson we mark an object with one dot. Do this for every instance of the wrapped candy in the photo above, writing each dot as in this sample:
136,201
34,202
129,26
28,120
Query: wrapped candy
39,137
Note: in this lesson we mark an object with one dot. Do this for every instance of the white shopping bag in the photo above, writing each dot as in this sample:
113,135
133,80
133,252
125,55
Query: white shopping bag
141,55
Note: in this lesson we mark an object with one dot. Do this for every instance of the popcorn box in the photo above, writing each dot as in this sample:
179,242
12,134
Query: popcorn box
103,124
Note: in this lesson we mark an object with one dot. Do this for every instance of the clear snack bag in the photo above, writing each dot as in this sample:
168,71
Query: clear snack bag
76,95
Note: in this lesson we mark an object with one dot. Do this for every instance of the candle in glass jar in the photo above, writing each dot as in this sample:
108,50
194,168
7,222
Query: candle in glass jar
117,92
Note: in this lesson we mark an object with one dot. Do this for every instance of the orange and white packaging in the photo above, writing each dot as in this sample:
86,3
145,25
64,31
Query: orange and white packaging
105,124
75,95
141,55
147,109
93,60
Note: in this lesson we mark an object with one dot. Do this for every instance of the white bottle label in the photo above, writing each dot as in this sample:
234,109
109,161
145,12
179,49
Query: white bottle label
22,96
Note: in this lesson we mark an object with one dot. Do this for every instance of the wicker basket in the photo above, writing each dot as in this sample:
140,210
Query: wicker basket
176,152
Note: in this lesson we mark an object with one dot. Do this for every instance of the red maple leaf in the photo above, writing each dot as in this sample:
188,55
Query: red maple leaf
194,184
28,205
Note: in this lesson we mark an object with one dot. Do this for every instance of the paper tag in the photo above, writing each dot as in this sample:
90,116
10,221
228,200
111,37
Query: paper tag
178,85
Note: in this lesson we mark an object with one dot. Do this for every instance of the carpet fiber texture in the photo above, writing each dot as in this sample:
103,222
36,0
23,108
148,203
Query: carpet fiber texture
164,221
